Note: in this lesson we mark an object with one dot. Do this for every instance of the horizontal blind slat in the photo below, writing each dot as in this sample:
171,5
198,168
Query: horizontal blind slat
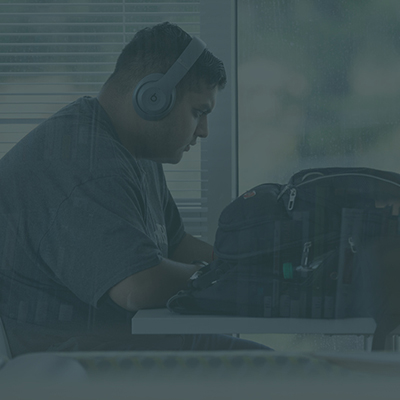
105,14
14,3
63,34
58,44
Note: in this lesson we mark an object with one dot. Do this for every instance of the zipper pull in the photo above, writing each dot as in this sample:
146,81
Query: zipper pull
304,257
292,197
353,247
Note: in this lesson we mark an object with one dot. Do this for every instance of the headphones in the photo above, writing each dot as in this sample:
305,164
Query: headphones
155,95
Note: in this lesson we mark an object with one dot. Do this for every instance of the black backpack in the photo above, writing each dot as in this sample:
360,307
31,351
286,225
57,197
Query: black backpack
298,250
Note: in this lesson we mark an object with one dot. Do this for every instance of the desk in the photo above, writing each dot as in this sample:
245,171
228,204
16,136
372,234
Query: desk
162,321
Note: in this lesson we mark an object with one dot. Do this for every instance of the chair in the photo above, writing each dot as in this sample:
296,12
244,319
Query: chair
5,351
36,366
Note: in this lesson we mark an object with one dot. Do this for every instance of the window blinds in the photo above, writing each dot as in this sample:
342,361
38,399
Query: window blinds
52,52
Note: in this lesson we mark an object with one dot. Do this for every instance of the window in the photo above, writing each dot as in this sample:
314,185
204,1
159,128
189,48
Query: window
319,85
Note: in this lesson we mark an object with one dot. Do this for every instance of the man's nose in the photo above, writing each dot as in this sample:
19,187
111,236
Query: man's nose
202,127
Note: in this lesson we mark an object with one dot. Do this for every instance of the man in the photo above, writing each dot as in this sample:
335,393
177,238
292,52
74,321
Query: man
89,231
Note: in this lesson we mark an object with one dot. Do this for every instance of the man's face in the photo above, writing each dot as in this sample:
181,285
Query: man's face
177,132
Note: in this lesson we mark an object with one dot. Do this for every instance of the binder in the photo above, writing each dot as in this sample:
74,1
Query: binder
318,249
350,233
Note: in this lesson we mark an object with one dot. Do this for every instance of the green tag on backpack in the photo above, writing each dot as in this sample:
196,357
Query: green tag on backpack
287,271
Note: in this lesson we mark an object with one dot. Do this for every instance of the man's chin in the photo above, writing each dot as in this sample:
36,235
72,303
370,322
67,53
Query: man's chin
169,160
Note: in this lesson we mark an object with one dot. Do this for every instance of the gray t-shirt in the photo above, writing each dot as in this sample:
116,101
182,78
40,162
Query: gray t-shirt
78,214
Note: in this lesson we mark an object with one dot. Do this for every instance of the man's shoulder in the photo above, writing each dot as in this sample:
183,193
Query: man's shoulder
81,129
85,111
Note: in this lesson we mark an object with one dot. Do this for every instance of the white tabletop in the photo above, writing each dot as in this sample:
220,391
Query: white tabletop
162,321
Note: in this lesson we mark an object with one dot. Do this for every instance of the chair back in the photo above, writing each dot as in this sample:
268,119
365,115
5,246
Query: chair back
4,347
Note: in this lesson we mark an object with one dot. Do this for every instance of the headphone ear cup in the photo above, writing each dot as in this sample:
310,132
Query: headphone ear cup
151,102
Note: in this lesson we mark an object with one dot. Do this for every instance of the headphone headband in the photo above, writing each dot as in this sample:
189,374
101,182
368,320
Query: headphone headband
182,65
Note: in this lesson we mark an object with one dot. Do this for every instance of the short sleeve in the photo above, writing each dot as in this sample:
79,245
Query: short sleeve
99,237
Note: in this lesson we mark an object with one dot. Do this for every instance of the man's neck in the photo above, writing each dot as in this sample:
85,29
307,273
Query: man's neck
123,119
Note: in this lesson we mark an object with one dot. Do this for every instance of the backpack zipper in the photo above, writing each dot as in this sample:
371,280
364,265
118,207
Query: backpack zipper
292,198
305,254
293,190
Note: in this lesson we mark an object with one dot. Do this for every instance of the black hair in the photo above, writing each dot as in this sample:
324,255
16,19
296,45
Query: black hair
154,50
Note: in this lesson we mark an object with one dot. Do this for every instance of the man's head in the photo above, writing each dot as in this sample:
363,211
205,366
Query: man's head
155,50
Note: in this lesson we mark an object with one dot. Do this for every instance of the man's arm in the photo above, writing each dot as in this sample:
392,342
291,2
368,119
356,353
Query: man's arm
191,249
153,287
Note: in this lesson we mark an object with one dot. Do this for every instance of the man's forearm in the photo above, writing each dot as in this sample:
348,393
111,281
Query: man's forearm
191,249
152,287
